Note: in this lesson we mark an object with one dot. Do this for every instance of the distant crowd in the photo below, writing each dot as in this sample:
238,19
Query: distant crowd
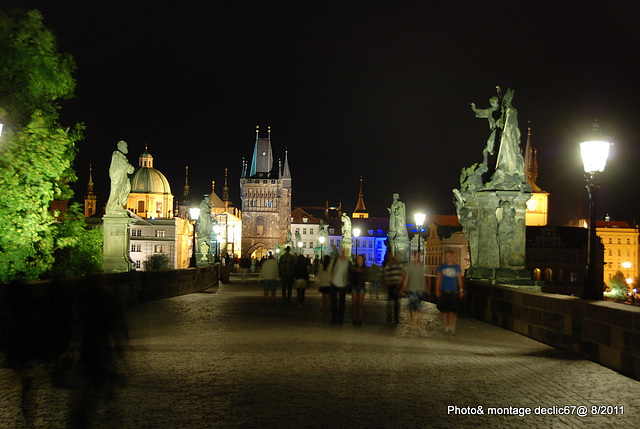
337,276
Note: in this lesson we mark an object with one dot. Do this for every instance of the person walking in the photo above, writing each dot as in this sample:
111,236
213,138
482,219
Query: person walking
269,275
339,283
449,290
393,278
324,283
301,278
358,278
414,286
285,268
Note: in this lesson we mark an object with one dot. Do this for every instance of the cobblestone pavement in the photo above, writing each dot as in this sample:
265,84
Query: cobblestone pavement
224,360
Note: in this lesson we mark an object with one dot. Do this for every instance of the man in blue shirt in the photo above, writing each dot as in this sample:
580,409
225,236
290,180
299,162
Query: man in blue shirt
449,290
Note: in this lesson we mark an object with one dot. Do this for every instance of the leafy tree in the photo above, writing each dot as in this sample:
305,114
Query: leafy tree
33,75
36,153
157,262
78,250
618,286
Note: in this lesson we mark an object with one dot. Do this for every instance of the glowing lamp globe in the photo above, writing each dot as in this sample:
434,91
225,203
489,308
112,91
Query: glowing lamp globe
594,155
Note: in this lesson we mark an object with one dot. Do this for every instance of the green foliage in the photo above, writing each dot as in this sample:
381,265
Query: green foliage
36,153
78,249
35,165
618,286
33,75
157,262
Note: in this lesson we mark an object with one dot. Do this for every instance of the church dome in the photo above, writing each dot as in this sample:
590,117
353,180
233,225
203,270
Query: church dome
148,180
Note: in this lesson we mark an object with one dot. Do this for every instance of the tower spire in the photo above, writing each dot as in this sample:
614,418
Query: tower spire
90,200
361,209
531,162
185,191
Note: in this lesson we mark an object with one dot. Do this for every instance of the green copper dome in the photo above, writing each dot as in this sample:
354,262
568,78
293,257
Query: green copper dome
148,180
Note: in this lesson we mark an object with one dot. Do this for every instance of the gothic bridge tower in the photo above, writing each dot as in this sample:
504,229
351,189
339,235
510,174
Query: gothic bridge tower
265,191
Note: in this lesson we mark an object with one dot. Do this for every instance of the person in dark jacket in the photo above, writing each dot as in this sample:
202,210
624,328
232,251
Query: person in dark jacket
301,278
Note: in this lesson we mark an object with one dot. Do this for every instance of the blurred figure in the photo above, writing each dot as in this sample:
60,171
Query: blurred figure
449,290
324,283
339,282
414,286
301,278
358,278
375,276
245,266
393,278
34,334
103,344
285,268
269,275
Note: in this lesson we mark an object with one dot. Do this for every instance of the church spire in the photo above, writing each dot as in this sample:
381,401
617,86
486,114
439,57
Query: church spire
90,199
531,163
185,192
361,209
262,161
225,190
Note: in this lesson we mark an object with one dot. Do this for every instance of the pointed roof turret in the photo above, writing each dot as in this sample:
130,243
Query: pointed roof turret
361,209
531,163
286,171
185,190
225,189
262,161
90,182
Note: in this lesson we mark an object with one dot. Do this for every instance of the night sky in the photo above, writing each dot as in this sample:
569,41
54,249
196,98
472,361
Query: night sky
379,89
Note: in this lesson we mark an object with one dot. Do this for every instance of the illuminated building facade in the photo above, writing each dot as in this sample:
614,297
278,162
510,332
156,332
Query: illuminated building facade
150,196
620,242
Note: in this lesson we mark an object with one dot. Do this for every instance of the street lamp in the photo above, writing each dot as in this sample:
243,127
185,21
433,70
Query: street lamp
321,240
356,234
594,157
300,244
419,218
194,213
278,254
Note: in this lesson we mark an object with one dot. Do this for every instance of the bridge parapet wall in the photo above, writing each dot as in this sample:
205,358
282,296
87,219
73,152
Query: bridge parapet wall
126,289
602,331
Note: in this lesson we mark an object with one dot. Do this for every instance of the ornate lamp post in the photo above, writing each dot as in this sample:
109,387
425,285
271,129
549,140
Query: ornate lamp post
594,157
419,218
321,240
300,244
356,234
194,213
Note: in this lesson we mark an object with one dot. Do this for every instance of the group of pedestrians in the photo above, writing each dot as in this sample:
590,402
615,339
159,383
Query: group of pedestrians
338,277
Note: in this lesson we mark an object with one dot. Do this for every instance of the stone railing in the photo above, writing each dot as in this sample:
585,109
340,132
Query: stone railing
125,289
604,332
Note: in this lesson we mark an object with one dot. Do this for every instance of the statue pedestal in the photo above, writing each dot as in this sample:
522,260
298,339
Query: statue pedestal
494,223
400,248
346,245
116,244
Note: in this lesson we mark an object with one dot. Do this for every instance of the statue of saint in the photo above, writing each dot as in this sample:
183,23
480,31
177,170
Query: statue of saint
346,227
204,224
397,219
119,172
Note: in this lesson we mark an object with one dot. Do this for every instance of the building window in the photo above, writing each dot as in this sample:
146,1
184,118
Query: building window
160,233
619,241
304,231
136,232
136,248
311,231
140,206
158,249
138,264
